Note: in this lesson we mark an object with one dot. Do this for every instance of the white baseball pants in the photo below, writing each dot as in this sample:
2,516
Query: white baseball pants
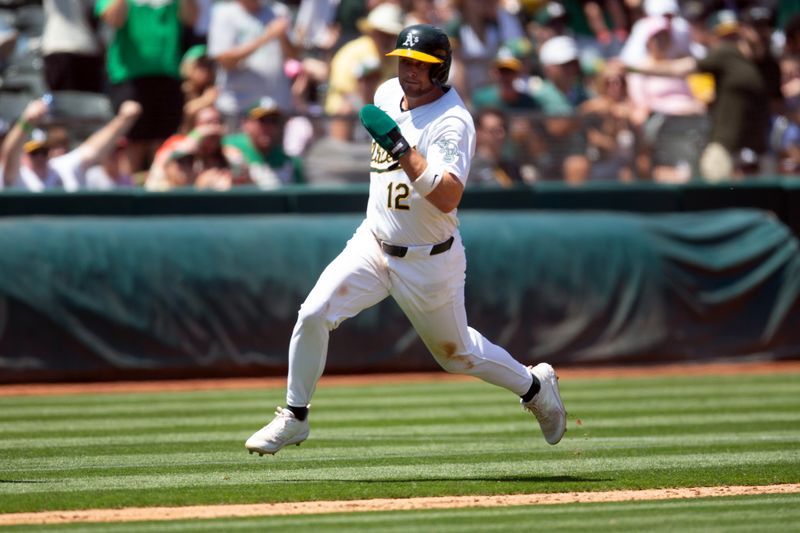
429,290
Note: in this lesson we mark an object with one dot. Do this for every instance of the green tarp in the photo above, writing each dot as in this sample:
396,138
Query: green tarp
778,194
107,297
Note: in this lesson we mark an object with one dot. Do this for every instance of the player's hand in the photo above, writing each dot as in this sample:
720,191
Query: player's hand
384,130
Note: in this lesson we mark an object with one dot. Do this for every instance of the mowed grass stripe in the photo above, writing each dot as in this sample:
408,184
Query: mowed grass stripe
424,393
484,445
280,491
512,449
753,513
386,471
85,446
124,465
437,416
500,429
581,389
475,399
486,403
397,450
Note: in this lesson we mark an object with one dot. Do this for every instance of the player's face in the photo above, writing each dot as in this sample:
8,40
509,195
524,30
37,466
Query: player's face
415,77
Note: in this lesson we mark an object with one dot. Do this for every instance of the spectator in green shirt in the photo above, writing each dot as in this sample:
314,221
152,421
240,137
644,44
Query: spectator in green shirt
504,91
524,141
143,63
259,147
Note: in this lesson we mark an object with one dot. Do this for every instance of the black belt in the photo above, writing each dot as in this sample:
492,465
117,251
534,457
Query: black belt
401,251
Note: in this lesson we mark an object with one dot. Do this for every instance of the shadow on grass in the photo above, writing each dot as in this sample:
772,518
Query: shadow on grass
24,481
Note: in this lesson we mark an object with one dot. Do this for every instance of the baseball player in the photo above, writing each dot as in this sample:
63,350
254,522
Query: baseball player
409,247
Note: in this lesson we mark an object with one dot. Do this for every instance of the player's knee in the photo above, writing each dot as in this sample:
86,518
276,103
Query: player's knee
458,367
313,317
454,362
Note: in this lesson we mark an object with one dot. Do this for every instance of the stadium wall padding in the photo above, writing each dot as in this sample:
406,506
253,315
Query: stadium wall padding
780,195
110,297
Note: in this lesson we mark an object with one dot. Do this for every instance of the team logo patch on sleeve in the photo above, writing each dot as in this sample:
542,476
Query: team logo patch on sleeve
449,150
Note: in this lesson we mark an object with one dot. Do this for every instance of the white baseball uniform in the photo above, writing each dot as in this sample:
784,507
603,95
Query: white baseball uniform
429,288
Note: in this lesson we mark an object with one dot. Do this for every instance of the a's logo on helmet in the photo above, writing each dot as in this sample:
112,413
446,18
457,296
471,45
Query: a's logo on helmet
411,40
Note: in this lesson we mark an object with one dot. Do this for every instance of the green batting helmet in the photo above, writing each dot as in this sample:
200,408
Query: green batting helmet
428,44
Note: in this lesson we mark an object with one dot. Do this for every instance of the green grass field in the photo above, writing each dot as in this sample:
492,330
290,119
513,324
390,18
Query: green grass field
406,440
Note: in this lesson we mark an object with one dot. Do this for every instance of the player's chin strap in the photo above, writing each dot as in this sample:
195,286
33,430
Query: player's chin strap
427,181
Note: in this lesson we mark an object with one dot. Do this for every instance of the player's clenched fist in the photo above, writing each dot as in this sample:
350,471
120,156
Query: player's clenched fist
384,130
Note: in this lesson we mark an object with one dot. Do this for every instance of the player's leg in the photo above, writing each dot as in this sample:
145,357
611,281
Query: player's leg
431,294
430,290
355,280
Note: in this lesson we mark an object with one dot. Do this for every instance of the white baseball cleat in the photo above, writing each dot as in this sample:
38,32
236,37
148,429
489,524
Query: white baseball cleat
284,430
547,405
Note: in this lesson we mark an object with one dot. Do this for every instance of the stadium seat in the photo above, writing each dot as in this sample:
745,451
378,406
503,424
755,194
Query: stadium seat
7,17
29,20
678,139
14,4
81,105
12,104
81,112
31,83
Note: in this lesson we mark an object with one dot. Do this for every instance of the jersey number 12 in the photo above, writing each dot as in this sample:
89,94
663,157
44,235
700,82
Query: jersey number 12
398,195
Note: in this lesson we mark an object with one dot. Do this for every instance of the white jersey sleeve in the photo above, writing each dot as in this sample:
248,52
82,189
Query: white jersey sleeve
443,132
448,147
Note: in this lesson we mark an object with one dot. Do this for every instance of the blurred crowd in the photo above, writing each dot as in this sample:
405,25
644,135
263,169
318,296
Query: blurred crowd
215,94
